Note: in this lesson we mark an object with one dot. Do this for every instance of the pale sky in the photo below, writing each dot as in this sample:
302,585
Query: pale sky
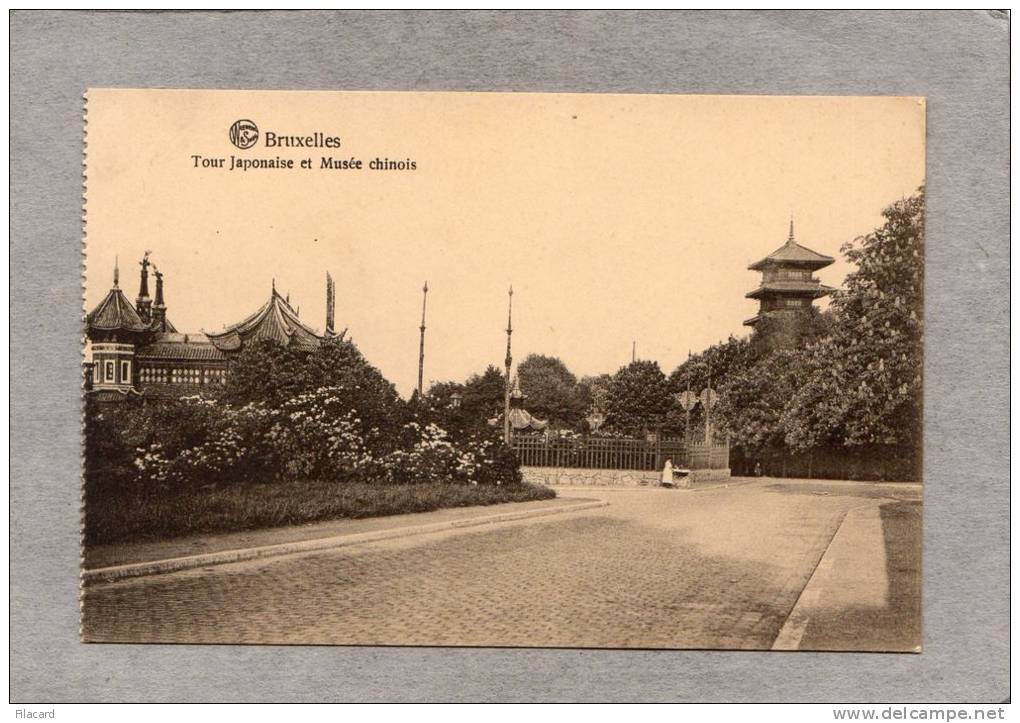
617,218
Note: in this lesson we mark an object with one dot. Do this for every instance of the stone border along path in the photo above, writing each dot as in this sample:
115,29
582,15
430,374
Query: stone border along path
174,564
861,531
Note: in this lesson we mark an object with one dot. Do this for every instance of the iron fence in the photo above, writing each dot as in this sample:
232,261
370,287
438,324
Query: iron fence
613,453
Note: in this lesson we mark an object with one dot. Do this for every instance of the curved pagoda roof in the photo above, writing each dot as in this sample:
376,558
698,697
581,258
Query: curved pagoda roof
115,313
521,420
811,289
793,254
275,320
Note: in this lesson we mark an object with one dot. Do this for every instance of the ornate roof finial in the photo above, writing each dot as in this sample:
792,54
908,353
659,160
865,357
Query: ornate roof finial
116,272
274,284
790,239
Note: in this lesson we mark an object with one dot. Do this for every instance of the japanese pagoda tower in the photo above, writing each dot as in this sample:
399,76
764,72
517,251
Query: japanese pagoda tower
788,285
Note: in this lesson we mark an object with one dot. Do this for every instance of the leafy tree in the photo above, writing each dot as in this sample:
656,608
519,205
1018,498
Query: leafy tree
637,399
440,394
265,371
484,395
752,400
717,365
437,407
864,385
596,390
271,374
553,393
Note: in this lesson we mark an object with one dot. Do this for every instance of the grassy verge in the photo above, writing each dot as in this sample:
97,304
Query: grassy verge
235,508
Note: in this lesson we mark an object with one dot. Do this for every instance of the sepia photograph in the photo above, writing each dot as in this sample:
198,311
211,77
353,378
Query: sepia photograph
540,370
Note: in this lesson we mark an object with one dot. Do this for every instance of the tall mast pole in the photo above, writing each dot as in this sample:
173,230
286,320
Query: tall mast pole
421,345
509,361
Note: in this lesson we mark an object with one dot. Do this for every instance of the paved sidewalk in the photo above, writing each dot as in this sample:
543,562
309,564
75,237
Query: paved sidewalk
102,556
865,592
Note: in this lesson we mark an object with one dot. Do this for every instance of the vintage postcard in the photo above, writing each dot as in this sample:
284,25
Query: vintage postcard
503,369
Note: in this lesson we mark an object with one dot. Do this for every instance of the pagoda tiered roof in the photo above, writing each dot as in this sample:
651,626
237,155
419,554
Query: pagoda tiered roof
275,320
521,420
793,254
813,289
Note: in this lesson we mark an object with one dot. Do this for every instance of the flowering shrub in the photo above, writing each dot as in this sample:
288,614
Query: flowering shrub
312,435
316,435
430,455
495,463
229,447
425,455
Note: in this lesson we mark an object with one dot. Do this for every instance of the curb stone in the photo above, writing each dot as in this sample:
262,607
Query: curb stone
176,564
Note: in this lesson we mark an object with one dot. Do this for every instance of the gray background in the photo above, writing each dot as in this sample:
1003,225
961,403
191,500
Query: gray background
959,60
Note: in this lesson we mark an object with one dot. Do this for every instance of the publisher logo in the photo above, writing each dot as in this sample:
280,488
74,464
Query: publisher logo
244,134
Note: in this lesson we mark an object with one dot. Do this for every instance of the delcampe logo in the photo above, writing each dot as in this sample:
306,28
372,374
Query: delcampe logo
244,134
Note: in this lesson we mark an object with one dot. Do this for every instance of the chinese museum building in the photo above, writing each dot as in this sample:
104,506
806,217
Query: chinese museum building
136,350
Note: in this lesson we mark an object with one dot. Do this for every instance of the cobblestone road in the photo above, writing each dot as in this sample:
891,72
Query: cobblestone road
656,569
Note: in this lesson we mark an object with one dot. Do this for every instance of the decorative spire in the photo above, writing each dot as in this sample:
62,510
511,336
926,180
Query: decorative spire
509,309
509,361
790,239
159,306
424,291
143,285
159,287
515,390
116,272
330,305
143,303
421,343
509,328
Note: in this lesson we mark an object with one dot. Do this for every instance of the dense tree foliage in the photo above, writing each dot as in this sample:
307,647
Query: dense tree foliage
714,366
283,415
848,379
637,399
862,383
266,373
553,392
484,394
